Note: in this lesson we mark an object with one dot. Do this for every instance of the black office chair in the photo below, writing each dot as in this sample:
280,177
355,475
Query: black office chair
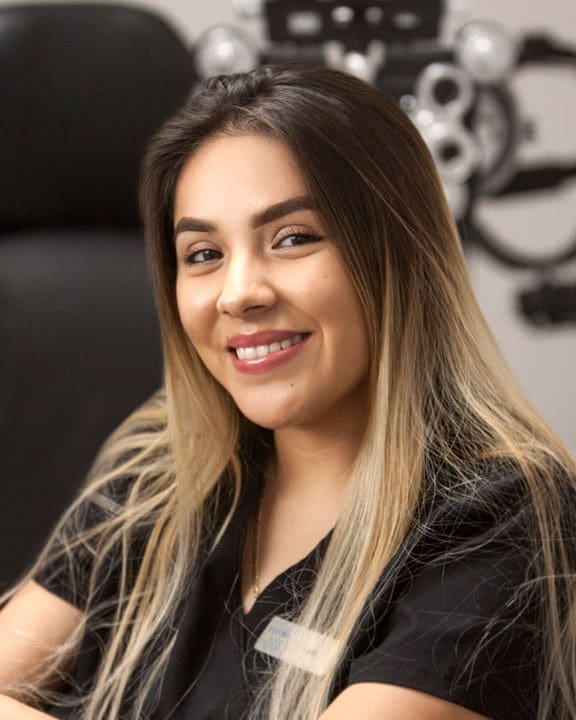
82,88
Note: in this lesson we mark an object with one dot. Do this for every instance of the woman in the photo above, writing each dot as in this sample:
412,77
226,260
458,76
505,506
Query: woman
341,506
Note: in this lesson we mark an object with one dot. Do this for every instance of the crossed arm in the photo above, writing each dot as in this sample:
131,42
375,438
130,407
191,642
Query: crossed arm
379,701
32,624
36,621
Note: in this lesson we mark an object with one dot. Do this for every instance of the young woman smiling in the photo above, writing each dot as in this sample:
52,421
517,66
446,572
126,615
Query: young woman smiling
340,506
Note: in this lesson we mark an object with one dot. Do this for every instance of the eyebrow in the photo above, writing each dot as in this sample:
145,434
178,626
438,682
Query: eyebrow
274,212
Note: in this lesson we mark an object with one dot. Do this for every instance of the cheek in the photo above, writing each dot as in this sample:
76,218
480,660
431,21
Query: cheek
350,335
183,309
336,301
192,317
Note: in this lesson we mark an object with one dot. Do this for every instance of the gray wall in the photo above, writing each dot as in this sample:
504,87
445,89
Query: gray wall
543,360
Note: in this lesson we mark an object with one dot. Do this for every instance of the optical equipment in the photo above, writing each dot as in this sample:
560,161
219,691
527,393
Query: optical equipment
458,94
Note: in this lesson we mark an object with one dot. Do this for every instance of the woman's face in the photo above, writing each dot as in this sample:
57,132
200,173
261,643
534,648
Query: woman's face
262,292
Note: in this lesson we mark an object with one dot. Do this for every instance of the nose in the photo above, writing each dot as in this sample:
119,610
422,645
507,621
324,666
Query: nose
247,287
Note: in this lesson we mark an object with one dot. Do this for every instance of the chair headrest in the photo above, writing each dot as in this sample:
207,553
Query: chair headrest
82,88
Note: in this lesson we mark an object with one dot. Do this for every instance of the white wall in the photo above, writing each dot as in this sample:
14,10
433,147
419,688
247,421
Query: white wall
543,360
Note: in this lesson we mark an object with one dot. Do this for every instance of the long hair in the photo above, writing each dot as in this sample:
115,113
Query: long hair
441,396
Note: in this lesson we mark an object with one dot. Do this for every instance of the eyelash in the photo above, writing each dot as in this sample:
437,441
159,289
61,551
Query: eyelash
301,239
306,237
189,258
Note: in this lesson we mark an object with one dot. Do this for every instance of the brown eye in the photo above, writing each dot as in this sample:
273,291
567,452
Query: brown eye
295,239
204,255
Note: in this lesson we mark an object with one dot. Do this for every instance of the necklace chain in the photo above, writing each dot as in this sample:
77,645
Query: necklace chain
256,551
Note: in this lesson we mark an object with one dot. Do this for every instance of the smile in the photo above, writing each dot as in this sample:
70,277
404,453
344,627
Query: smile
261,351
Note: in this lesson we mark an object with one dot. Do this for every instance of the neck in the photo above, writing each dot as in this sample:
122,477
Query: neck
314,462
306,481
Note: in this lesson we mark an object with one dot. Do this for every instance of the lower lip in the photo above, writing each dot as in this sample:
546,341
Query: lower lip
268,362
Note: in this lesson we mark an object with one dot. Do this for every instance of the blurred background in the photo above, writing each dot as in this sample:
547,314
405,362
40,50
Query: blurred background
491,85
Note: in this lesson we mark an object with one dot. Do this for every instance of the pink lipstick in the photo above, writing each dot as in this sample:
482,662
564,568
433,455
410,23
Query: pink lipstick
265,350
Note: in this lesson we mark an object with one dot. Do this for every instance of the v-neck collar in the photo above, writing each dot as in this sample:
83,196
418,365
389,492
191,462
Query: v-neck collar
213,655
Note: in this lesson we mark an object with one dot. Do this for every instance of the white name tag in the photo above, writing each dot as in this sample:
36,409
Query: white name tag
296,645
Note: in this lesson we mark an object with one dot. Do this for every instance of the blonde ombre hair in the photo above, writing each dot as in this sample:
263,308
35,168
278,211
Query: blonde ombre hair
442,398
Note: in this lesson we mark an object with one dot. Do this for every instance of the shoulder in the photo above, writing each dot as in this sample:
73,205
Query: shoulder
107,526
497,505
455,616
477,504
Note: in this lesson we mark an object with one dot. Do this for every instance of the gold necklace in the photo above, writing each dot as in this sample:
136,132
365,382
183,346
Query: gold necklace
256,550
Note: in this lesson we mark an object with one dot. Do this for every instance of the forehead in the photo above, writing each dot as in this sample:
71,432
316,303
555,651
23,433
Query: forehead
237,172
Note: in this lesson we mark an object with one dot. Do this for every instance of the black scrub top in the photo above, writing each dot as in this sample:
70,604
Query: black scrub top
453,628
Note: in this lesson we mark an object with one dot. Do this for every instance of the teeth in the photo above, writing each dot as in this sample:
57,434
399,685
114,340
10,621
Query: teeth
260,351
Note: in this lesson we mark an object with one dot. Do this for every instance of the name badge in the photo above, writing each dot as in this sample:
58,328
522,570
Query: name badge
299,646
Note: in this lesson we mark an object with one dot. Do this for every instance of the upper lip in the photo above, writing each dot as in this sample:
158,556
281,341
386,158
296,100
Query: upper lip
262,337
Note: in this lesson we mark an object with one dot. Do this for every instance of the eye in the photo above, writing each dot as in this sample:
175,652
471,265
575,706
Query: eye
204,255
294,239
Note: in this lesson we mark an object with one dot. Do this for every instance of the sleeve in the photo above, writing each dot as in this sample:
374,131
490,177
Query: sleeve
68,562
465,626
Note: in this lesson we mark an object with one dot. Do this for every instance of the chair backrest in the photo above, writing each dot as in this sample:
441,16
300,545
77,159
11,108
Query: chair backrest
82,88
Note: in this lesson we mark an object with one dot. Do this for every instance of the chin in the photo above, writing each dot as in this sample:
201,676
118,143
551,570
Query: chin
267,422
271,410
269,419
